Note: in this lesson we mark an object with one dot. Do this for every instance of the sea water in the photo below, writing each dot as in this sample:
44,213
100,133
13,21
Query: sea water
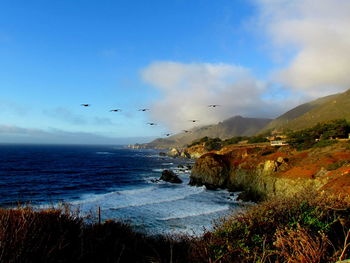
121,182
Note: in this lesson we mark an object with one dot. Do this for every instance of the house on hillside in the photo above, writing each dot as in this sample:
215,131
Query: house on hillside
278,143
276,136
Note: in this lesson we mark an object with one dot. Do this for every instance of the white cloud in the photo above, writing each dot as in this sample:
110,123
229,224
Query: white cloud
319,31
188,89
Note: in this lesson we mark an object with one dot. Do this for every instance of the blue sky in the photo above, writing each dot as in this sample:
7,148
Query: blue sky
55,55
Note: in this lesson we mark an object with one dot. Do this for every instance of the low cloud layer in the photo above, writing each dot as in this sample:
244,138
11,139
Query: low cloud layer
70,117
11,129
15,134
187,90
318,34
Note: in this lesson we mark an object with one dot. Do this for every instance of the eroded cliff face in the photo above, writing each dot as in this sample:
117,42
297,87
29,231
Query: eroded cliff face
210,170
271,172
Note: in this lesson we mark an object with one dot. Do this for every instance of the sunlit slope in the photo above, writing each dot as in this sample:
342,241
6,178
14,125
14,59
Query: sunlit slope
335,106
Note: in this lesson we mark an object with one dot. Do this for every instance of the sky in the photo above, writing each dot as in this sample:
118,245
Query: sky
256,58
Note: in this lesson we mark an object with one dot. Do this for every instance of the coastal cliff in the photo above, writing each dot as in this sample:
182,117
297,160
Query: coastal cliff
265,171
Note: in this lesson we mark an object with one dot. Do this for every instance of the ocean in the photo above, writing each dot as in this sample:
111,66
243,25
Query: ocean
121,181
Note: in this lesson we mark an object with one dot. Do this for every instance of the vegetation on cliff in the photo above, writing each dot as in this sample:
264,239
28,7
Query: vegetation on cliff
211,144
310,227
320,135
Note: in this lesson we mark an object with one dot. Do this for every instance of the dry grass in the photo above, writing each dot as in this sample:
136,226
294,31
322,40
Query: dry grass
308,228
55,235
299,246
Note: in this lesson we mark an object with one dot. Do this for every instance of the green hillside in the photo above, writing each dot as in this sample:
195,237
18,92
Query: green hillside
335,106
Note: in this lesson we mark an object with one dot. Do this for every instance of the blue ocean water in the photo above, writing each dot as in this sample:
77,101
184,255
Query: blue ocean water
120,181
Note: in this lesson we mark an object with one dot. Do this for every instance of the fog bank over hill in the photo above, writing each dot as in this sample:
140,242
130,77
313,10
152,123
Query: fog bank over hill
234,126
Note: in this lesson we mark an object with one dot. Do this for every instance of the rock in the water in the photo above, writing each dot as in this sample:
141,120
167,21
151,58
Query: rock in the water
171,177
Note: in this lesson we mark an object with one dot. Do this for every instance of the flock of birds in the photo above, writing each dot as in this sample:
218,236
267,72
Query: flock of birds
152,123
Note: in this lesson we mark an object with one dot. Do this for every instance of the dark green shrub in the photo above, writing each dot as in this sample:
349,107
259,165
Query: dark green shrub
199,141
335,166
307,138
210,144
324,143
257,139
234,140
213,144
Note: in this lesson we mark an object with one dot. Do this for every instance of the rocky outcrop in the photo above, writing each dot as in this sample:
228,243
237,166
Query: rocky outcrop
174,152
210,170
193,152
170,176
266,171
196,151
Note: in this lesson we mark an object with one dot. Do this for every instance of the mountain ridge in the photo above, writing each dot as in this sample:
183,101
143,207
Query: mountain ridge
336,106
234,126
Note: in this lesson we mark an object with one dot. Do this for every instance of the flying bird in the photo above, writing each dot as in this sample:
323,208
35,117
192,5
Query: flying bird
186,131
213,105
85,105
143,109
167,134
152,123
115,110
193,120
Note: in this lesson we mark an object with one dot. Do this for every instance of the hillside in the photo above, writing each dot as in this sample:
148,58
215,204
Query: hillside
335,106
234,126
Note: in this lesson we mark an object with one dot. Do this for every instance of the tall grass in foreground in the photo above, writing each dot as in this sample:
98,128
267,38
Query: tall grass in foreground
58,236
308,228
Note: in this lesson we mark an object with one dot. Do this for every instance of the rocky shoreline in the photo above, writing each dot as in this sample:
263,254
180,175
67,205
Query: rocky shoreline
264,171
